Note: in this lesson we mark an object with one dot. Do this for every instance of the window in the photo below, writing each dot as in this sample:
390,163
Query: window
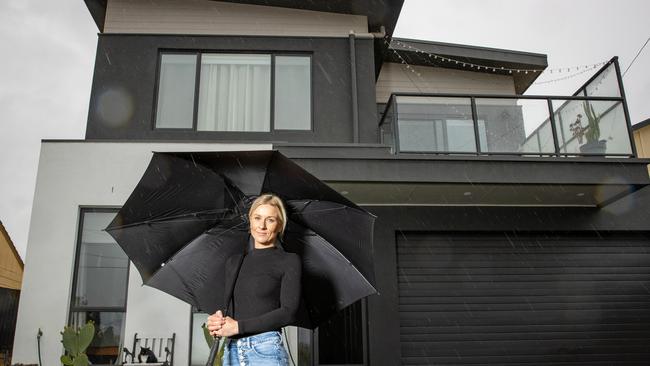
292,93
100,286
176,91
234,92
199,348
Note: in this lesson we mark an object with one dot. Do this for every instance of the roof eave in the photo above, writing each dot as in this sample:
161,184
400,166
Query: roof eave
492,60
379,12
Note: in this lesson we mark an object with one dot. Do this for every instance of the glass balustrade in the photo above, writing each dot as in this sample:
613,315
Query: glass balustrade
593,121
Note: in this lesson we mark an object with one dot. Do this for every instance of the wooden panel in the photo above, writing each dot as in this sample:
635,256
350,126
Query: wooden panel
523,299
642,142
11,270
219,18
397,78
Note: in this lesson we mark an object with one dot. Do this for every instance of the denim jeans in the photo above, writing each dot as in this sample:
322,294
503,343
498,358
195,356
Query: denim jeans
264,349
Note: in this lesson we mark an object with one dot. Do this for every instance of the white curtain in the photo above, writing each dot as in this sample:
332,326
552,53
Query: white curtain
235,93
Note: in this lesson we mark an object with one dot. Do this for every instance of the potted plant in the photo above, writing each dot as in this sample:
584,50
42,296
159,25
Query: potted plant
594,144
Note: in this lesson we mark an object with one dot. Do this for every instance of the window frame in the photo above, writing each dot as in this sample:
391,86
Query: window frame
75,273
193,311
197,81
72,308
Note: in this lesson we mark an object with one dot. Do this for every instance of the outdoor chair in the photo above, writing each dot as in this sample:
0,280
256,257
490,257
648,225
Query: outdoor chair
161,347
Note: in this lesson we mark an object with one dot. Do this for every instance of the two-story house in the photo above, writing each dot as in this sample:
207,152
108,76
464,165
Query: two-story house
510,229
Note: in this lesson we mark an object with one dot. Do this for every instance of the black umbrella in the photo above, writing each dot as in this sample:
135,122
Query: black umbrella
189,213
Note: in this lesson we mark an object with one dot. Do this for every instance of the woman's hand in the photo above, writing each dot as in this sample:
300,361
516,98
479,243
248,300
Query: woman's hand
229,328
221,326
215,322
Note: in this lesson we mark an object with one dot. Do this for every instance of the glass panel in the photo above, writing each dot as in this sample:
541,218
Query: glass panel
458,135
109,339
605,84
431,124
200,348
591,127
515,125
235,93
292,93
418,136
340,340
102,265
176,91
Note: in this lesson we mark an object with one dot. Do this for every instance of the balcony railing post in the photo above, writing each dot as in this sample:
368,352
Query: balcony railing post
475,119
395,121
619,78
551,117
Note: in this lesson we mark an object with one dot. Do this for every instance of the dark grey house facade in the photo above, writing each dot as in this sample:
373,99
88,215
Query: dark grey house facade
506,232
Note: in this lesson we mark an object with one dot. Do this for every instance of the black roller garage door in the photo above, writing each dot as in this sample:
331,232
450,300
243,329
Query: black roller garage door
524,299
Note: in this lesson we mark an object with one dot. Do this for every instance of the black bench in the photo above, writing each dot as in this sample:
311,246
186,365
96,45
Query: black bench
162,348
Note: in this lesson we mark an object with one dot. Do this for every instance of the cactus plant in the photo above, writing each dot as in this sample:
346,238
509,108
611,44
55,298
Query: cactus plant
592,132
209,339
76,341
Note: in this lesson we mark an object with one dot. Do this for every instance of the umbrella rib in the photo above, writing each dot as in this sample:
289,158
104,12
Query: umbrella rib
173,217
321,210
237,210
266,171
343,207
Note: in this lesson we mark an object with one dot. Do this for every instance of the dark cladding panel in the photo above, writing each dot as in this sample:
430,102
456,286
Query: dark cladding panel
123,97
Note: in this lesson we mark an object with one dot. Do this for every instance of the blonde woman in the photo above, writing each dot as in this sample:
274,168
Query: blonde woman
266,292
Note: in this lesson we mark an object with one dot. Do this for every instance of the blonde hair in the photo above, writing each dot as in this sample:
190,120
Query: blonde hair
273,200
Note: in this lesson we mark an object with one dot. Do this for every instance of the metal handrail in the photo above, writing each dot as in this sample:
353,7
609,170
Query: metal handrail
504,96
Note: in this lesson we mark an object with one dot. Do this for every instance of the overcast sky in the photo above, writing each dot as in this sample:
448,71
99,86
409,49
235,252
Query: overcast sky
49,50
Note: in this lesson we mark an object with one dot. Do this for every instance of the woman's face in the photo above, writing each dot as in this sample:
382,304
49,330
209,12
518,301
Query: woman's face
265,225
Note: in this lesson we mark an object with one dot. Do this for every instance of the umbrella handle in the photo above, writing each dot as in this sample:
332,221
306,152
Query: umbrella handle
213,352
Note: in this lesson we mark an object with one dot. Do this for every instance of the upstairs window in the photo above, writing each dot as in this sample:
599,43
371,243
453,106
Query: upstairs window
234,92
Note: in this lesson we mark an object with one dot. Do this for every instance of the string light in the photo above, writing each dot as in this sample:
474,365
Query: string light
404,61
502,69
587,69
579,69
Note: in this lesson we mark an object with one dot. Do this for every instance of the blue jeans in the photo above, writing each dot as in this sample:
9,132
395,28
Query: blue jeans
264,349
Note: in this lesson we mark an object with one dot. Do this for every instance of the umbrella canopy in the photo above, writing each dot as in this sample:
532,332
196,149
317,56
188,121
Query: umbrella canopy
189,214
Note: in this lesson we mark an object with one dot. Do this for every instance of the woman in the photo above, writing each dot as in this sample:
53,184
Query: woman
266,292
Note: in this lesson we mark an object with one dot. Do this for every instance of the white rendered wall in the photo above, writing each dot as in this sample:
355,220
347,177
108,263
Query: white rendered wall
221,18
397,78
73,175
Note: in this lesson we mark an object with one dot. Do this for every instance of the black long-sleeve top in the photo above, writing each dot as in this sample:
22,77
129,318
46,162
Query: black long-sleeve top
267,291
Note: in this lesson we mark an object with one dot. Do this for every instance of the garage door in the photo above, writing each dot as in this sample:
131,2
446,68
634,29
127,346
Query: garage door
506,299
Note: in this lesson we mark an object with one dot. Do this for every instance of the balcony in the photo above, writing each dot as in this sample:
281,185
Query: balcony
592,122
493,150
